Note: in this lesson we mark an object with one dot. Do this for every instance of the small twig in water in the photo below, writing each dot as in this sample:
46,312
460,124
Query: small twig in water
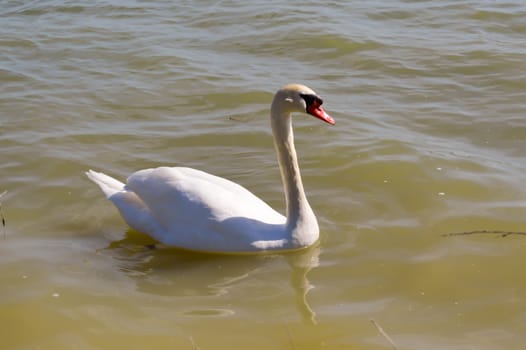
291,339
492,232
194,346
384,334
2,214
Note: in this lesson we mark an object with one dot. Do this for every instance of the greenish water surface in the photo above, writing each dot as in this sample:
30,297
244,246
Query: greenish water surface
429,99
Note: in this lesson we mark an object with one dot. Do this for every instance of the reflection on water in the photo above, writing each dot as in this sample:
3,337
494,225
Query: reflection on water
301,263
167,271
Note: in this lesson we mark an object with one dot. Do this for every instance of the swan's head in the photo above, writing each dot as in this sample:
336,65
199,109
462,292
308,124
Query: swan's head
300,98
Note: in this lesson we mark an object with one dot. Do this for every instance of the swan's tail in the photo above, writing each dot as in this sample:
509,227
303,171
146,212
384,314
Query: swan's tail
107,184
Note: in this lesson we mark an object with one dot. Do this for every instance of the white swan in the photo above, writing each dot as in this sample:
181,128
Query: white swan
194,210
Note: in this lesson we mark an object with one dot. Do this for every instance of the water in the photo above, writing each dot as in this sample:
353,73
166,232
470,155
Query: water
429,99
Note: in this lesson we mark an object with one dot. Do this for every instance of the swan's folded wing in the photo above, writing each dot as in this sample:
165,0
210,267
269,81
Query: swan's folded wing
185,196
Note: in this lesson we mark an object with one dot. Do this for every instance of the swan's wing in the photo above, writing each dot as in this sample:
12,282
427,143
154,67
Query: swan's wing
184,196
191,209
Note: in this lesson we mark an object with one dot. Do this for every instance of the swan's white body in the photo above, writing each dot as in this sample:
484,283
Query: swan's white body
194,210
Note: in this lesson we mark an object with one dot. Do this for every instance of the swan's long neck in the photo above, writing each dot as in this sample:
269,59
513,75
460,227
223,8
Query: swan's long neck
301,222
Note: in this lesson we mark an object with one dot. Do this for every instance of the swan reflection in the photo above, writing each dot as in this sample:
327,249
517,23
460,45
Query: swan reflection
164,271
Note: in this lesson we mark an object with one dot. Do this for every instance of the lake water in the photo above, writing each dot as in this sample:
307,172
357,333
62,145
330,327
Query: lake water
429,99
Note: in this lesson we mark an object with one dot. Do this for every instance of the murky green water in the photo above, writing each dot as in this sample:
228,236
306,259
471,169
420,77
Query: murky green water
430,102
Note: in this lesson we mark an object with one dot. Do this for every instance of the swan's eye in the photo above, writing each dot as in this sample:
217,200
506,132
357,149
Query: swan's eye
312,100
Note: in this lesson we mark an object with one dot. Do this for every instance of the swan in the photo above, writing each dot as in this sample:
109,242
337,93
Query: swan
197,211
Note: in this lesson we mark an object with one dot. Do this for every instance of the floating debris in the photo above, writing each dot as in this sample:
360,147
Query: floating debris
2,214
194,346
491,232
384,334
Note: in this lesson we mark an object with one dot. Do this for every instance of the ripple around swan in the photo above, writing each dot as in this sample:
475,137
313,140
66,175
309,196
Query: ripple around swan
209,313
